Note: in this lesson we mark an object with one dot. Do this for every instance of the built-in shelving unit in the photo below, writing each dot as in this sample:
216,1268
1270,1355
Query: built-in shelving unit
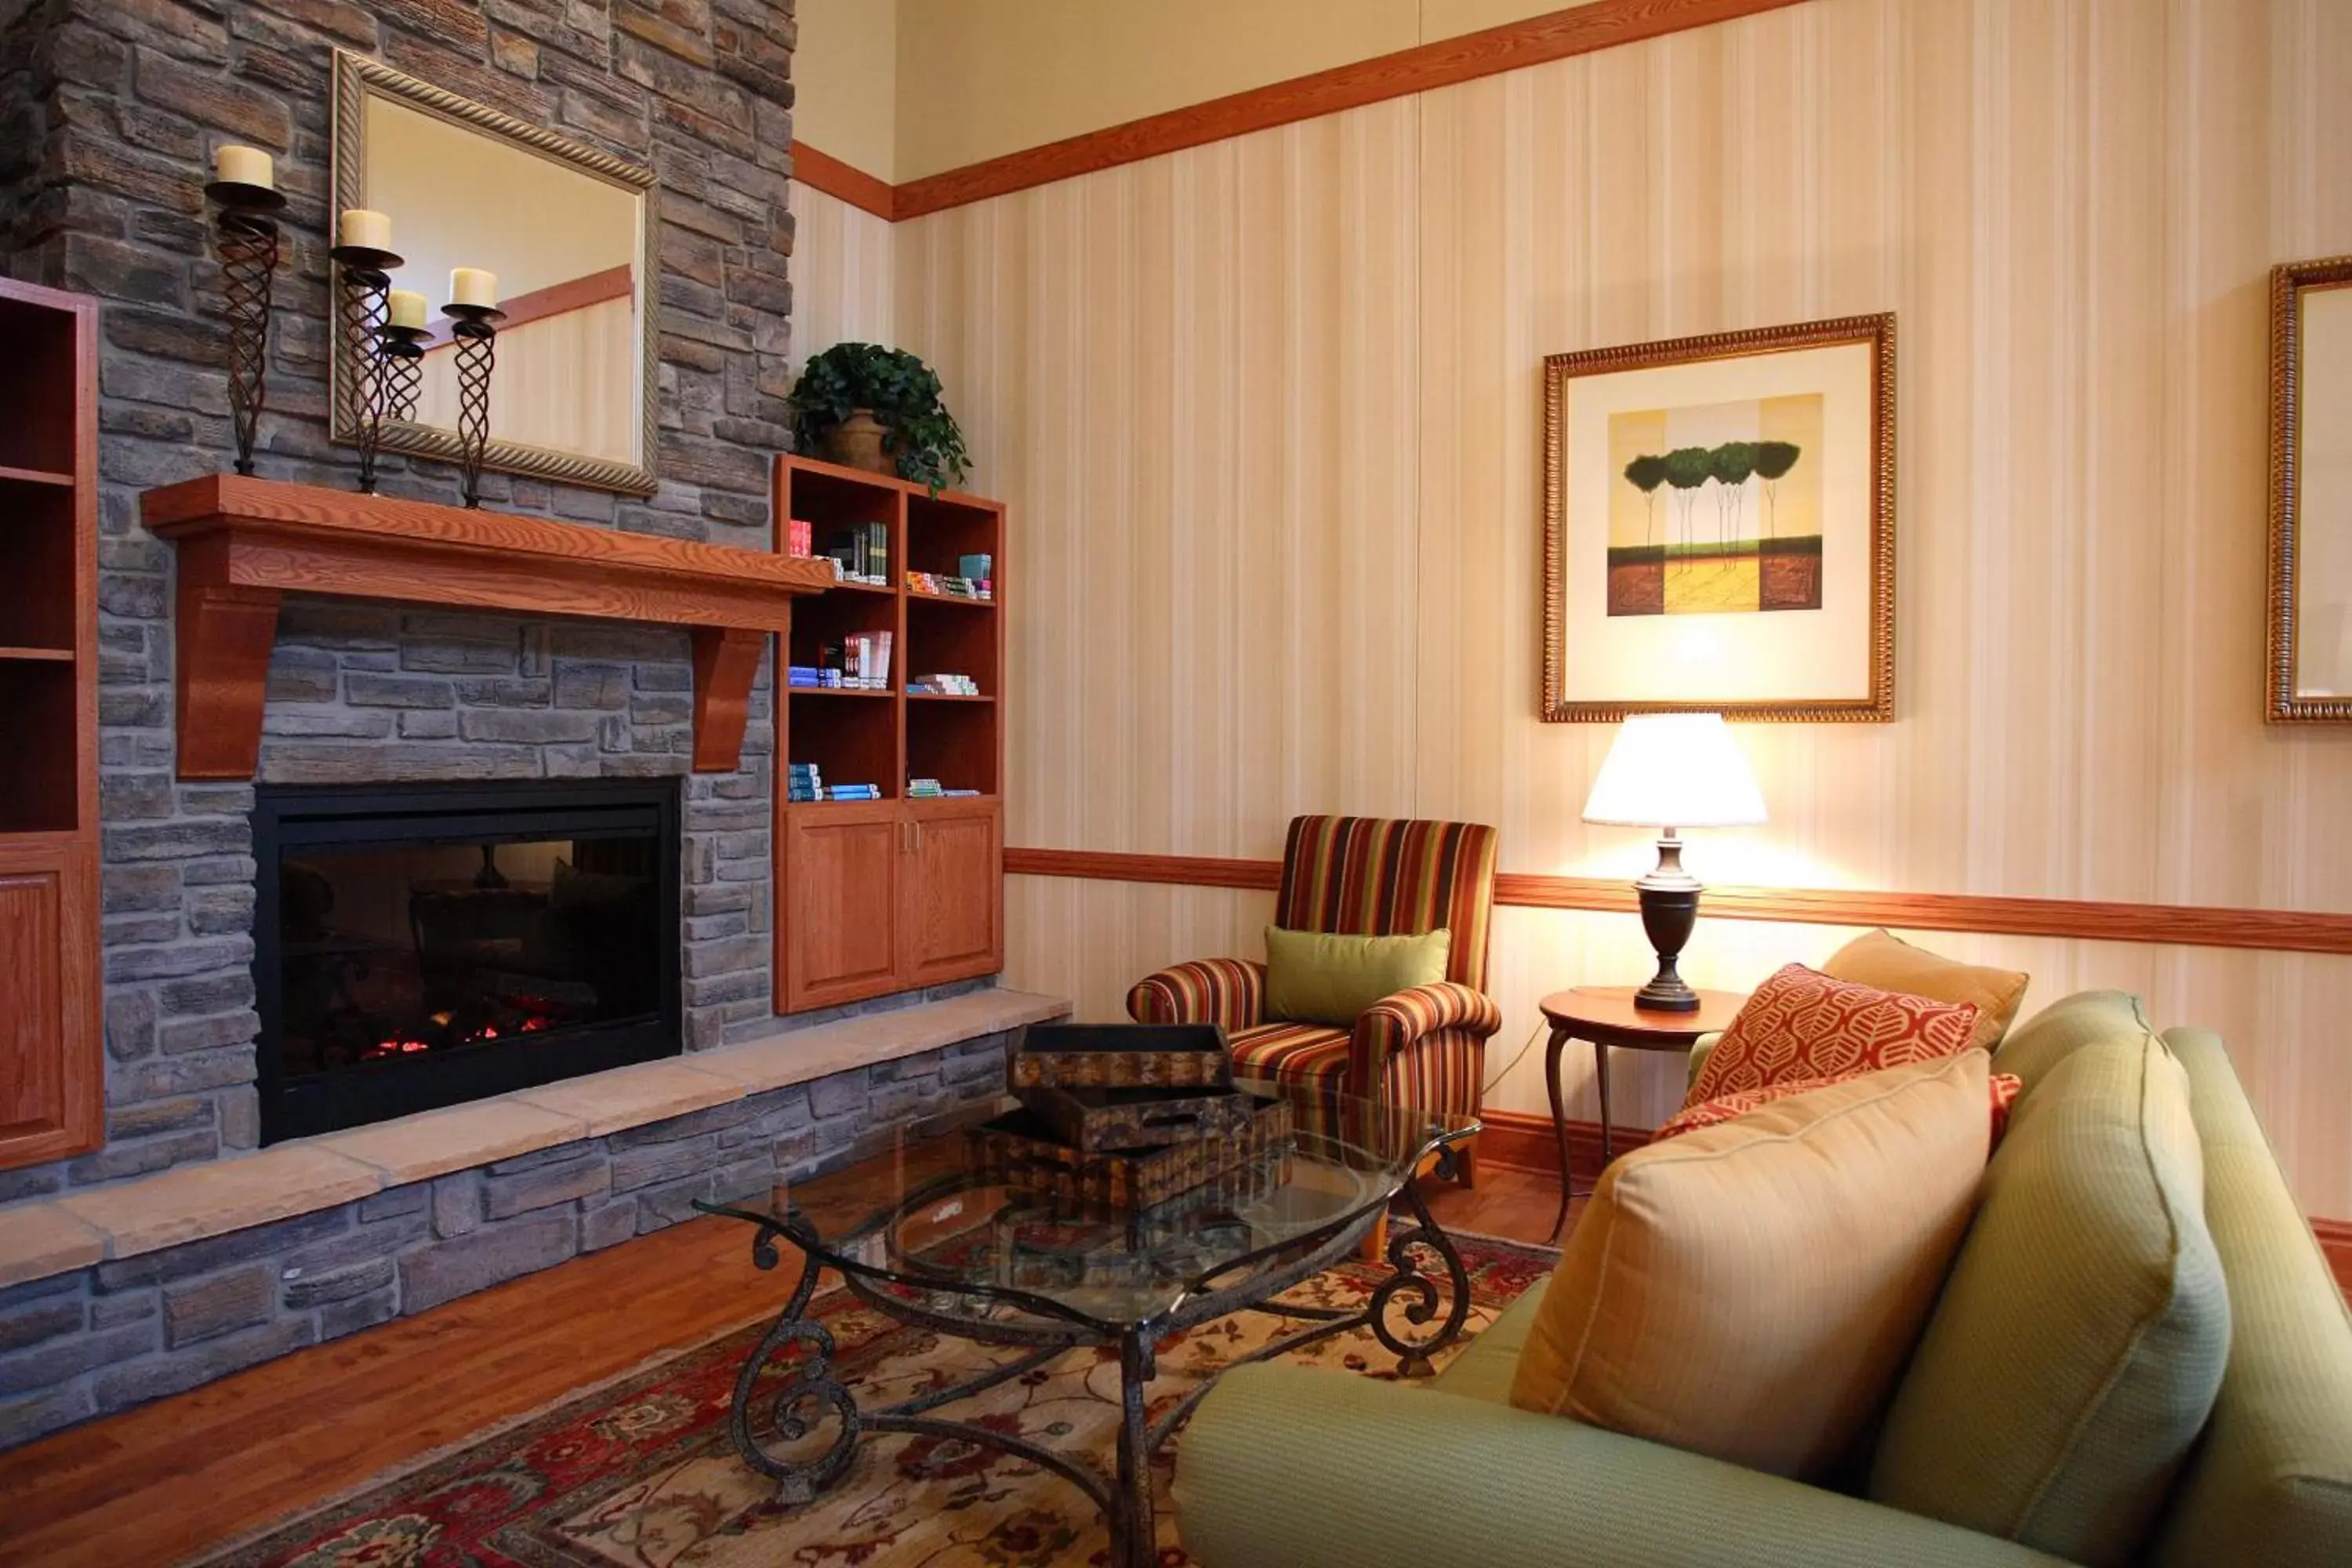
885,895
52,1055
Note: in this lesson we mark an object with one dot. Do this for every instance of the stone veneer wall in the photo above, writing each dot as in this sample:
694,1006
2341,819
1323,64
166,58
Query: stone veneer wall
109,113
117,1334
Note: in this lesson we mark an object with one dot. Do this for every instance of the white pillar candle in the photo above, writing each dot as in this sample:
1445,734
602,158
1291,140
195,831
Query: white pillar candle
472,286
406,309
371,230
244,166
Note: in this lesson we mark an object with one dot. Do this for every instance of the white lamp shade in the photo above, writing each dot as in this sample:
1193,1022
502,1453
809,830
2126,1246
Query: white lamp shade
1674,770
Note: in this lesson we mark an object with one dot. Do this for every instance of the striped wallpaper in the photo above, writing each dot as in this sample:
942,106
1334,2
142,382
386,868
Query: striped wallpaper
1267,415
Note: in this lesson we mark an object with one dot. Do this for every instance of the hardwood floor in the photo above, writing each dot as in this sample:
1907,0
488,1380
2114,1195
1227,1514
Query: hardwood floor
162,1483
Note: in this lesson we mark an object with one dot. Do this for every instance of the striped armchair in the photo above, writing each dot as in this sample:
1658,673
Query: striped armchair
1362,875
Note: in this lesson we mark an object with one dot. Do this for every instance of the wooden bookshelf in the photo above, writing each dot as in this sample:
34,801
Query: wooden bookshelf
885,895
52,1051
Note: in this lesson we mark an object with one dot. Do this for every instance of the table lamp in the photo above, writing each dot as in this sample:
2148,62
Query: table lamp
1672,771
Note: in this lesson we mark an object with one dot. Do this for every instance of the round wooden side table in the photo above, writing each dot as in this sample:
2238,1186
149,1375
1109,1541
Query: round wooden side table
1605,1015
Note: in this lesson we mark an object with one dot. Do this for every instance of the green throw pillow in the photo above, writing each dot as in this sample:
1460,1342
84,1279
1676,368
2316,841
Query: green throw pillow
1313,977
2048,1037
2080,1338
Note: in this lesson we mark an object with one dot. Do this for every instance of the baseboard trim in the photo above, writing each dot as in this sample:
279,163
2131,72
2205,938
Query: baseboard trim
1520,1141
2080,919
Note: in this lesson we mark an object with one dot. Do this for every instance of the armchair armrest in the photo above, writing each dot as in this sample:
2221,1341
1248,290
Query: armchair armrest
1230,991
1401,1020
1313,1469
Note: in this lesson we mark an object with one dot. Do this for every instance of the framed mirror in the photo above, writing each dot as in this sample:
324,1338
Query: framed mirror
572,234
2309,657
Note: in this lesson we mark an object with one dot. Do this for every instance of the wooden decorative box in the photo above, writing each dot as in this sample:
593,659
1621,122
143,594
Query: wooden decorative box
1020,1149
1094,1120
1122,1056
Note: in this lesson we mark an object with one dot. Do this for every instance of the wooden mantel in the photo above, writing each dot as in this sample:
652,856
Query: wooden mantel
244,542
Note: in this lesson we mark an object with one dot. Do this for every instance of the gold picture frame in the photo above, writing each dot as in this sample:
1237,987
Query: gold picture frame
1760,385
356,78
2305,528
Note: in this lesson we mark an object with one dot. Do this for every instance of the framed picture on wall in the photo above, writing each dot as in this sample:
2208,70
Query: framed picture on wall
2308,674
1719,526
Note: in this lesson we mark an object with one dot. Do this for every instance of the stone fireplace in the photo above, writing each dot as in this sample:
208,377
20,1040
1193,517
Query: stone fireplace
422,945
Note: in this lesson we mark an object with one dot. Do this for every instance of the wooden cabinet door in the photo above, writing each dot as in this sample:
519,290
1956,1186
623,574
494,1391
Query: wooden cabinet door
840,913
952,892
52,1062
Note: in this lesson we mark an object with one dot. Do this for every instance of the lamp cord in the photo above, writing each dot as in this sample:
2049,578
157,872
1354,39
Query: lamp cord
1533,1036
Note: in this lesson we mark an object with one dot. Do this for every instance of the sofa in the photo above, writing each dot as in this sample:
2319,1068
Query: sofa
1307,1468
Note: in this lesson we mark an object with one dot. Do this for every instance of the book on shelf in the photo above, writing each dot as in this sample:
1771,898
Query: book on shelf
860,661
800,537
803,782
924,789
946,588
853,792
860,552
944,686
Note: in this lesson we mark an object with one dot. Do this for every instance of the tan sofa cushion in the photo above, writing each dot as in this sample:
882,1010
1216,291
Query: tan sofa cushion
2075,1353
1750,1291
1881,959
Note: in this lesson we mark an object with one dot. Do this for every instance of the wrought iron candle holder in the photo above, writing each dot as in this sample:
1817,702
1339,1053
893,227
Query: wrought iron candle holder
245,240
475,330
366,287
396,376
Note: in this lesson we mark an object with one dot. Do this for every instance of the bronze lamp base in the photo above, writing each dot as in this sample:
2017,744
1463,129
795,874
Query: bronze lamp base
1669,910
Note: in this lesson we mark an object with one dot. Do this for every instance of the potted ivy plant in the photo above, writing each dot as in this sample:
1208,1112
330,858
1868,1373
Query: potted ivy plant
878,408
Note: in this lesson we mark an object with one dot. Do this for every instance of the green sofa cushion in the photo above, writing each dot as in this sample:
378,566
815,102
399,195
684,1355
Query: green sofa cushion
1315,977
2271,1487
2080,1340
2047,1038
1485,1370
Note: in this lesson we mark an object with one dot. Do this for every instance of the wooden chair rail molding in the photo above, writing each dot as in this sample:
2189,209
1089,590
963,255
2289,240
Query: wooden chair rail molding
1535,40
2185,925
244,542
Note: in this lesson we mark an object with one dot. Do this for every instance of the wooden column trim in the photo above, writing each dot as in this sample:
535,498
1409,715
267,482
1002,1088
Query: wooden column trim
726,661
2074,919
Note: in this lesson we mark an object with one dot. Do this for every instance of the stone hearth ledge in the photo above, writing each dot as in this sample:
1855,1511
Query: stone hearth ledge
172,1207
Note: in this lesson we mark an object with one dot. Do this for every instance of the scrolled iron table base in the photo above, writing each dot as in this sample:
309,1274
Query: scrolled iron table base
1433,1314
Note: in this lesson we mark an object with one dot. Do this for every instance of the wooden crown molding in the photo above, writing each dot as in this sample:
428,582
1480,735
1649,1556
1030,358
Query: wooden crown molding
2079,920
244,542
1555,35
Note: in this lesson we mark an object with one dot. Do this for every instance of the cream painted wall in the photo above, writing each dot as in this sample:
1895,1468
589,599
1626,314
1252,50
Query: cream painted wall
845,82
1265,412
978,79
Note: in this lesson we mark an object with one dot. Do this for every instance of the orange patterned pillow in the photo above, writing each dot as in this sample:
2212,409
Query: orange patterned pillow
2003,1090
1800,1024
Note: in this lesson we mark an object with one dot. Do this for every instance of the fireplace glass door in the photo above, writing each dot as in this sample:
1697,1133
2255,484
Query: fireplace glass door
421,945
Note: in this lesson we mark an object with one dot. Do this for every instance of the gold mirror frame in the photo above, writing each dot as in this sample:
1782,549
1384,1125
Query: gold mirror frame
356,75
2281,703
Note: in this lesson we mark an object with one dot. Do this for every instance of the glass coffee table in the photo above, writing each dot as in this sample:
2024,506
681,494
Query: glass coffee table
934,1233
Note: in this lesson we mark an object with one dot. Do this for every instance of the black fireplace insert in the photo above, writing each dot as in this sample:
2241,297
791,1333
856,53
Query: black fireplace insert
420,945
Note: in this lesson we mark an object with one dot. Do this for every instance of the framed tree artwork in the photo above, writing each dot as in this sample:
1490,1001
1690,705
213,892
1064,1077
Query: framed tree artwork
2307,676
1719,526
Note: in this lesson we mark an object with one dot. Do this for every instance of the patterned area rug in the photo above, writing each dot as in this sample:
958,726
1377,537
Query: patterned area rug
643,1475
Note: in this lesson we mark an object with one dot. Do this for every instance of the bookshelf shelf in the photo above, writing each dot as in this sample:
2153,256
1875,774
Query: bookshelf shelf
35,476
52,1049
878,896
